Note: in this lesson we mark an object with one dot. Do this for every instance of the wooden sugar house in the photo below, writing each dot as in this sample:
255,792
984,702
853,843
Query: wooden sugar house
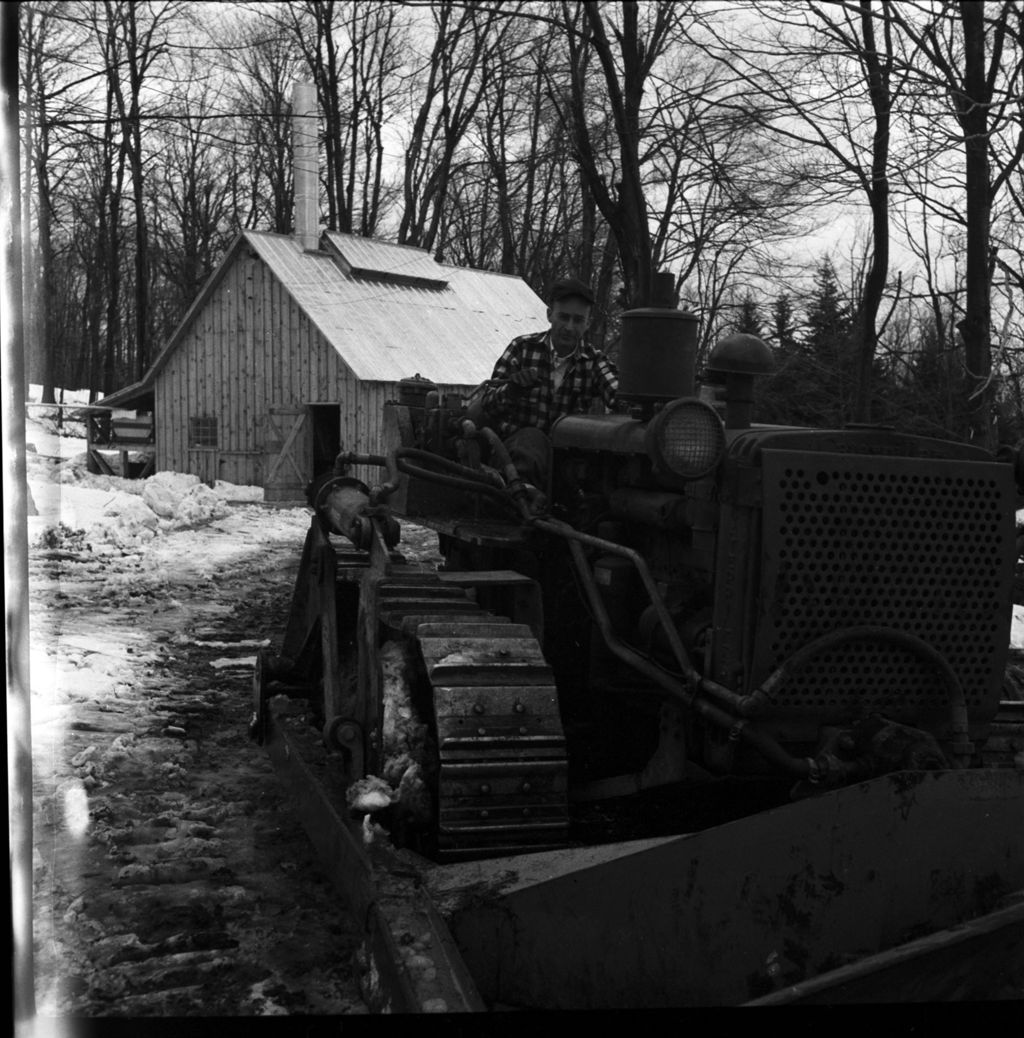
295,343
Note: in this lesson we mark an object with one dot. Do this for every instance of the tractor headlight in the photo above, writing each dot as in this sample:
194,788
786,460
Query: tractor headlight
686,439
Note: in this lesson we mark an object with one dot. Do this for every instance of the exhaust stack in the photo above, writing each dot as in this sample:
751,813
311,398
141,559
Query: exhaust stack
305,144
658,352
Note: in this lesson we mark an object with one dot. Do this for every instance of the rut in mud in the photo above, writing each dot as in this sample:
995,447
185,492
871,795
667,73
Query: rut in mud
171,878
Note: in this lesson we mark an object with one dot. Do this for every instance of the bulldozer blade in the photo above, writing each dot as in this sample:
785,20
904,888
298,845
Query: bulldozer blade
980,960
744,910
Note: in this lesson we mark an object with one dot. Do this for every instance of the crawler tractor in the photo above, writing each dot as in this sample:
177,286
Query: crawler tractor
714,717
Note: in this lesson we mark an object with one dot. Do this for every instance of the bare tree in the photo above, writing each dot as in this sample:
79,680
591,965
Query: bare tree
516,200
450,85
354,53
969,59
624,50
266,63
109,162
826,81
378,38
487,217
192,190
315,27
136,32
45,49
531,138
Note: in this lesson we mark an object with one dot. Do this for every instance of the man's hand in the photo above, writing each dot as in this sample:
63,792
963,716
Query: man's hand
523,381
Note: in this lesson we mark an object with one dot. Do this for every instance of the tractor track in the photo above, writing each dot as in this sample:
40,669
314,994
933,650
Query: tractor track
170,876
501,752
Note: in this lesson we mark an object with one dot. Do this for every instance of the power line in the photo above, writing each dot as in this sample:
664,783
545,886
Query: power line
155,117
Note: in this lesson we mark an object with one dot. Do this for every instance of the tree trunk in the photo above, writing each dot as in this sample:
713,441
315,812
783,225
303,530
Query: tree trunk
878,195
45,289
142,317
626,211
976,326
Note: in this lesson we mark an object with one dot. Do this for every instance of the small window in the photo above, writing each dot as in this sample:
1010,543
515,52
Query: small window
202,432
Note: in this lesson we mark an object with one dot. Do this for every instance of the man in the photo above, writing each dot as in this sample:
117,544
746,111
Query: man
542,376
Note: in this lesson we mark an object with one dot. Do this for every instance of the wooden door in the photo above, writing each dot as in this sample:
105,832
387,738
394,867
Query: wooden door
287,449
204,462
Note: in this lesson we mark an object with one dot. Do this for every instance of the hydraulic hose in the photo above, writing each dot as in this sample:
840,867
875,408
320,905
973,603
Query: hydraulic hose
962,746
767,746
438,461
455,482
666,681
423,464
572,535
347,458
499,453
459,477
378,493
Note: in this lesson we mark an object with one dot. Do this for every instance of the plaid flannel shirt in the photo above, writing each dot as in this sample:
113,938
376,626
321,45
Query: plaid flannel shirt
589,377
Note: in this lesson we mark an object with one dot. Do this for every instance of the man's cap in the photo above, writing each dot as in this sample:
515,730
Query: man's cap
566,287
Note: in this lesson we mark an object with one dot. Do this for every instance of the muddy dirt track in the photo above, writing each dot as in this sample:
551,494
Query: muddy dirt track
171,879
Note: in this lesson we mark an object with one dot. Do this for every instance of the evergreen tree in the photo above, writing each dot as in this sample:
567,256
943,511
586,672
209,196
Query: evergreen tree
828,317
813,382
931,397
828,345
794,394
749,320
783,332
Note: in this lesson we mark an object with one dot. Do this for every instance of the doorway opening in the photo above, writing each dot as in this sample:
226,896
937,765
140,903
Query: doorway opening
326,420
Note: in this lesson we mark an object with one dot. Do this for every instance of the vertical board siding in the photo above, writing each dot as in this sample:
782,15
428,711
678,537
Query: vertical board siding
219,344
298,333
161,402
243,321
287,336
244,387
263,345
261,375
178,392
204,349
319,357
226,355
190,375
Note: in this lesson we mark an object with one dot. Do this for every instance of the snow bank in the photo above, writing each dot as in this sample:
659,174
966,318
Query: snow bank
236,494
107,515
79,509
165,491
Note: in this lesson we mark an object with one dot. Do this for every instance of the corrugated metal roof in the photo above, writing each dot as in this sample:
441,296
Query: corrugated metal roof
386,332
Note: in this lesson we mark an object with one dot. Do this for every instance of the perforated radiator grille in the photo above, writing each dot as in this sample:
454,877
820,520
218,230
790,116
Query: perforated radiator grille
915,545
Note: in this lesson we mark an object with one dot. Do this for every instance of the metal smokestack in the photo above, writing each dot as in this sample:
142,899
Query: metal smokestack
305,143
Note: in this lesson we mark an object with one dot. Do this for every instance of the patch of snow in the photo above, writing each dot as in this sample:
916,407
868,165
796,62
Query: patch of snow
75,509
200,505
235,494
233,661
1017,628
368,794
160,499
176,483
244,643
67,396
